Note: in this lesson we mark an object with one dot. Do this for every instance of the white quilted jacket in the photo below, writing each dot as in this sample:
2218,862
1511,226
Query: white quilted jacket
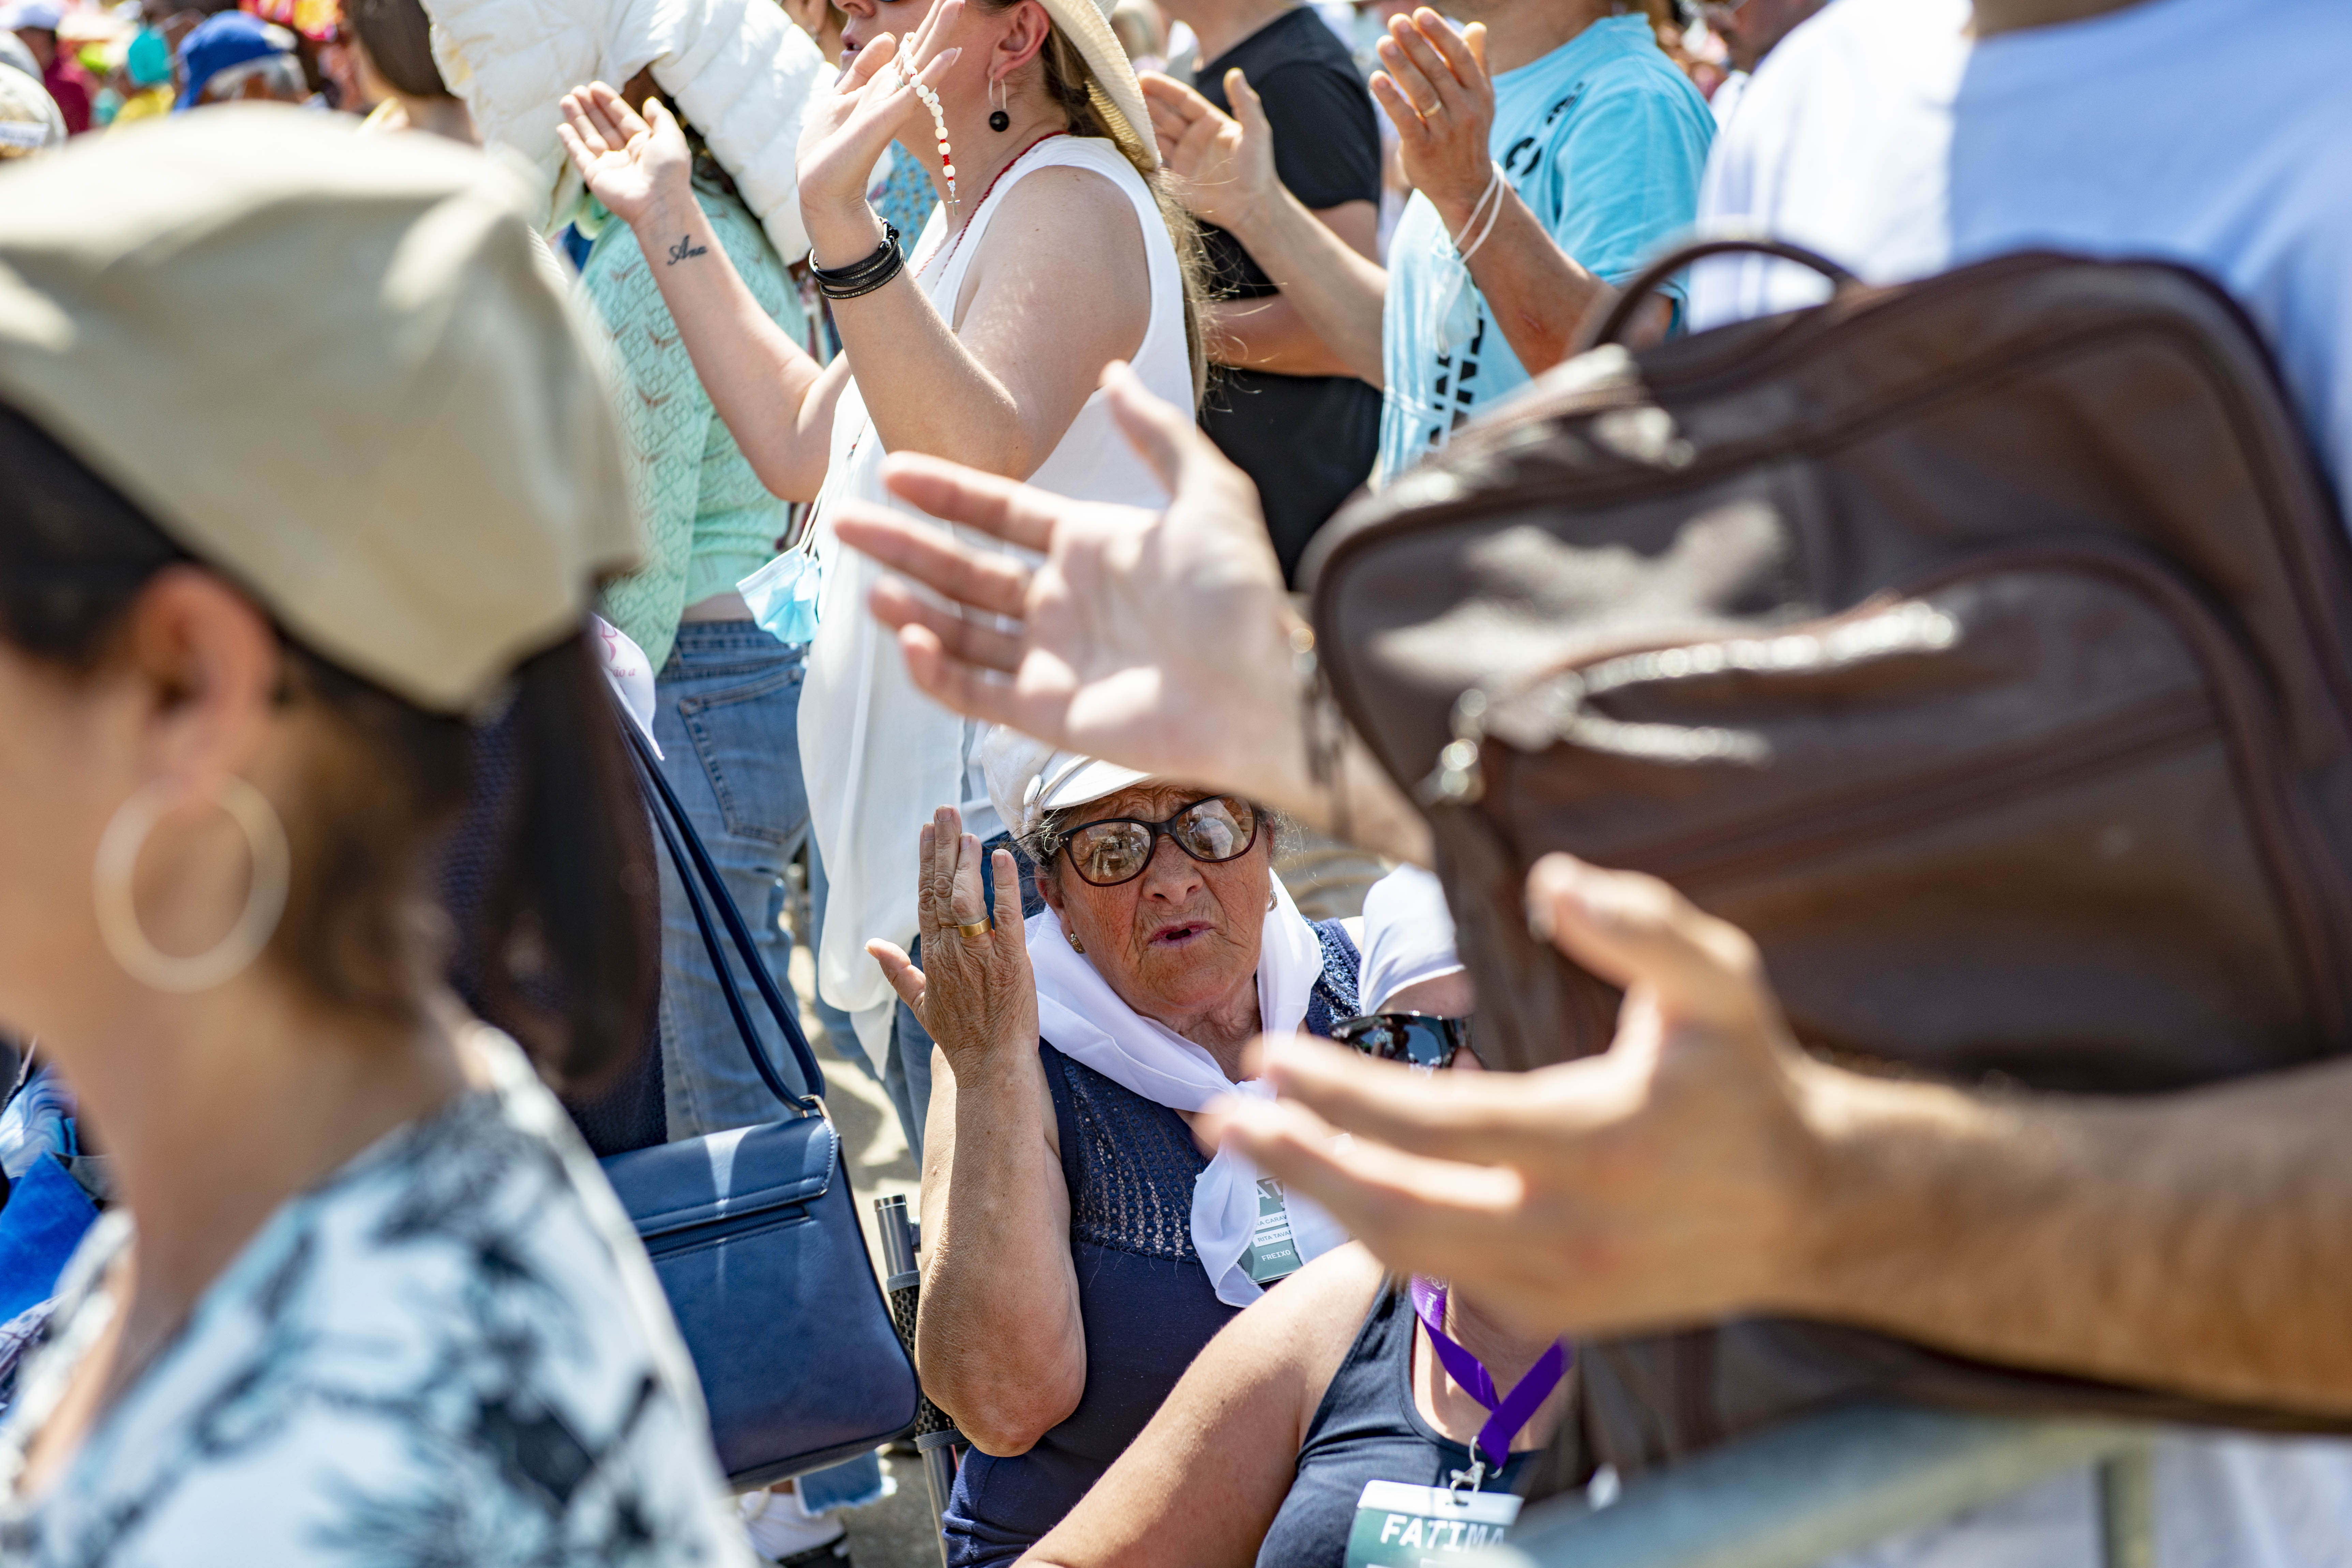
739,68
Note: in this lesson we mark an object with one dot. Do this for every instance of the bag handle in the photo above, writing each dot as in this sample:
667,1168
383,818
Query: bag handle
693,861
1654,276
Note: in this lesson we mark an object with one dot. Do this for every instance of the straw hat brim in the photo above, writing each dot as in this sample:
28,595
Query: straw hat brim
1120,98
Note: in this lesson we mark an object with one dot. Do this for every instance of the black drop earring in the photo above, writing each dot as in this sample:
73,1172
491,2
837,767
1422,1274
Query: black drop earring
998,120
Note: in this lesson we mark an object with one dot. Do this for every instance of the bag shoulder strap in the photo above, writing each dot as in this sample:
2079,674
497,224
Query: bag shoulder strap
1654,276
694,864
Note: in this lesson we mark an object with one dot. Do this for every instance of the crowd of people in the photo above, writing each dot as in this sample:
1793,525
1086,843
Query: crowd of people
916,418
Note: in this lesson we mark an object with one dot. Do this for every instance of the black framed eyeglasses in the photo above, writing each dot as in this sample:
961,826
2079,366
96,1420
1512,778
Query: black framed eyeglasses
1116,849
1425,1041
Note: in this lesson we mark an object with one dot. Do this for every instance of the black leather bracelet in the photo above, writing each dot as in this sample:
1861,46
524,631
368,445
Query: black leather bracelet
891,269
861,277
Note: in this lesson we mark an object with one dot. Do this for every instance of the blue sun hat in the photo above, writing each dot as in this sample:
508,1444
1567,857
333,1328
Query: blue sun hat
230,38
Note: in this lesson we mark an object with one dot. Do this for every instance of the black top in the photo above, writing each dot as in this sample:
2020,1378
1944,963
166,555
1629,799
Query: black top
1307,440
1145,1304
1368,1428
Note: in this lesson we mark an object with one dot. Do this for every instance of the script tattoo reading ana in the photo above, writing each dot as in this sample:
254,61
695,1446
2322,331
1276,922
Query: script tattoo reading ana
684,249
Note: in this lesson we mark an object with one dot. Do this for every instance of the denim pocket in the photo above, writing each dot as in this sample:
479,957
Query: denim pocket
747,738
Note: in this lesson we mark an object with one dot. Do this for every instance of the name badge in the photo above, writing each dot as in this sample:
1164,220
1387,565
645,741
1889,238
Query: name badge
1401,1526
1272,1253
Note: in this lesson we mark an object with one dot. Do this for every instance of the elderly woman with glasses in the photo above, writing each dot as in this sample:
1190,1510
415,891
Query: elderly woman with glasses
1084,1238
1355,1418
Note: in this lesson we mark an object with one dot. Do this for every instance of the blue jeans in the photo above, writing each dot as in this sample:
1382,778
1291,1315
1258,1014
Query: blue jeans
727,713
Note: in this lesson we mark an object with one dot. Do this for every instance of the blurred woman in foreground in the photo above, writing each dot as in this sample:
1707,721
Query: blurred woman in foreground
364,1300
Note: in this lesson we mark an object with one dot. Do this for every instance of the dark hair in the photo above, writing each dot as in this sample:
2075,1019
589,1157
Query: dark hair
398,36
560,939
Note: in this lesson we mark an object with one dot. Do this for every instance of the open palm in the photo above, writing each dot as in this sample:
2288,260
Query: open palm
1158,639
631,162
875,103
1219,165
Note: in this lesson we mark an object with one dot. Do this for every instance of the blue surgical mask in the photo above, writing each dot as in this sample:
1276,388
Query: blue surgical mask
782,595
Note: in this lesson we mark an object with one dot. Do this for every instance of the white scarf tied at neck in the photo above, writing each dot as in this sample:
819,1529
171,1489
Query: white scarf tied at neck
1083,1017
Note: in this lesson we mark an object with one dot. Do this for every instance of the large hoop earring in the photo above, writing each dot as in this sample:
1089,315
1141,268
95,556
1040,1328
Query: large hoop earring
118,912
999,96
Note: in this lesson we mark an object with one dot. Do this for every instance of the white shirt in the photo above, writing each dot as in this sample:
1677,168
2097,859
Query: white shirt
1728,94
880,756
2214,133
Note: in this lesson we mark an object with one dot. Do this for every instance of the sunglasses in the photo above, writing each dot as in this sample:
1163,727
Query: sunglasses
1117,849
1422,1041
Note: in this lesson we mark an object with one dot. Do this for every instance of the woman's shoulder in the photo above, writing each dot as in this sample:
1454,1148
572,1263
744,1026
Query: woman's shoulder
443,1342
1078,179
1304,1327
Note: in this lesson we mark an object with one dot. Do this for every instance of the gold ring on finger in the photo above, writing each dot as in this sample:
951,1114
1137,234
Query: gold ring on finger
969,929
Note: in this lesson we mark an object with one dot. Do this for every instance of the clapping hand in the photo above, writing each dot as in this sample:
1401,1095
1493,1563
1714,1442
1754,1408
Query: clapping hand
634,163
975,993
1219,166
846,134
1161,640
1437,91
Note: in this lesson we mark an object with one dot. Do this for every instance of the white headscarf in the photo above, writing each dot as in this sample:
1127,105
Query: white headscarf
1408,935
1083,1017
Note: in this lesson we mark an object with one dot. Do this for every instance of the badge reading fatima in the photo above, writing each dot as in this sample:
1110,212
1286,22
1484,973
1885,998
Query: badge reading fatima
1397,1526
1272,1253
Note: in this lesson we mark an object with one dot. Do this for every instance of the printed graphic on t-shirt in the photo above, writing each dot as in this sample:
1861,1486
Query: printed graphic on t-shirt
1454,394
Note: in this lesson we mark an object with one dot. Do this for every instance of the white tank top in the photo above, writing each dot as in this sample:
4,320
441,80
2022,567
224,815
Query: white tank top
878,755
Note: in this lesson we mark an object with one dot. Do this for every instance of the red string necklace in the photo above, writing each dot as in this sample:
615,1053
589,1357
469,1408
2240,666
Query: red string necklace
956,238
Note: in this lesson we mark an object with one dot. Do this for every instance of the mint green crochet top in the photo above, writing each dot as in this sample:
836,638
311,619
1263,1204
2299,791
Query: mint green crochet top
709,521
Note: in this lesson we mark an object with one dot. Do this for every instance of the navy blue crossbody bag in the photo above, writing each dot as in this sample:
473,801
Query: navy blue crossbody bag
755,1237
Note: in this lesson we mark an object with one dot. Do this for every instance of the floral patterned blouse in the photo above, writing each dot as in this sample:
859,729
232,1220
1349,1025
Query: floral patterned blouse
449,1352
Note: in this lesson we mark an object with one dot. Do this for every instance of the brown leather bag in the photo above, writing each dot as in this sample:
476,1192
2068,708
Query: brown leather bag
1982,646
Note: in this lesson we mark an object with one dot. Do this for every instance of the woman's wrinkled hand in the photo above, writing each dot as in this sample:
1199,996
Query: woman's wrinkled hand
873,105
974,994
637,164
1219,166
1436,90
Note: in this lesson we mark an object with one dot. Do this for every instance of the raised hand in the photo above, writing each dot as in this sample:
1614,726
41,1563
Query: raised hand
1668,1180
1221,167
975,993
1438,94
633,163
1161,640
874,103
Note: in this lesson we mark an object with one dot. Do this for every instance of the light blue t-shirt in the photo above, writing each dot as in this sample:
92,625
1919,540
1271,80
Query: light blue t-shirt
1605,142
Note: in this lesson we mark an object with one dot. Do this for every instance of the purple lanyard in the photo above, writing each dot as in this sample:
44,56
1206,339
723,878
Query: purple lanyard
1511,1411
